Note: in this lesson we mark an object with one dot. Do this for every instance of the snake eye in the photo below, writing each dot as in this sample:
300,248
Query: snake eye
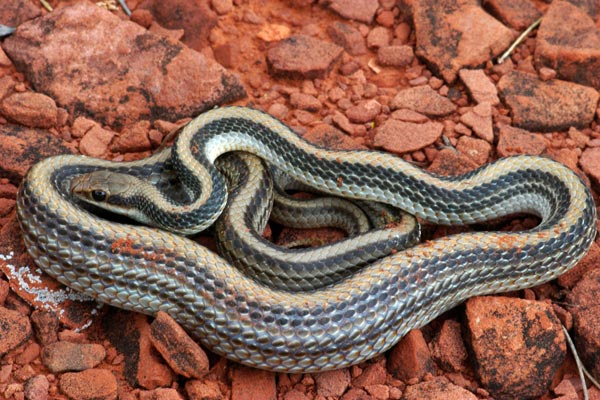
99,195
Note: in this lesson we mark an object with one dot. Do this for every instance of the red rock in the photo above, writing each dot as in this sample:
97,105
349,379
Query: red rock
378,37
194,17
160,394
359,10
402,137
222,7
515,141
95,142
332,383
329,137
31,352
348,37
480,120
91,38
478,150
379,392
364,112
546,73
395,56
518,14
204,390
386,18
305,101
45,326
590,163
575,58
6,206
81,126
182,354
36,388
583,304
92,384
436,389
143,366
302,57
547,106
449,162
505,332
409,116
479,86
423,99
133,139
13,13
295,395
373,374
15,330
448,348
410,358
453,34
30,109
65,356
250,383
589,262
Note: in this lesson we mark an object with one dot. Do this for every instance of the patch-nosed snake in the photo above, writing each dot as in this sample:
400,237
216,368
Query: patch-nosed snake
147,270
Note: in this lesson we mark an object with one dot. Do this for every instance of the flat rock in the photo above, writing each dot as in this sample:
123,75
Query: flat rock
332,383
373,374
67,356
518,14
583,304
423,99
570,46
359,10
410,358
505,332
453,34
182,354
195,18
402,137
364,111
436,389
92,384
547,106
303,57
15,329
348,37
514,141
395,56
480,120
476,149
116,70
31,109
251,383
448,348
479,86
129,333
204,390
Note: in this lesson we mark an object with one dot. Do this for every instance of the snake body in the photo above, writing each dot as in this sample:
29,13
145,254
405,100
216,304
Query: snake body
147,270
237,231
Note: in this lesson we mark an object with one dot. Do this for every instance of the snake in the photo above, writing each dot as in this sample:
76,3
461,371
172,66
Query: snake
147,270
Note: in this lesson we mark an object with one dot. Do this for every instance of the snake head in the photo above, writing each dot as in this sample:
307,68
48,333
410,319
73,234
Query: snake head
108,190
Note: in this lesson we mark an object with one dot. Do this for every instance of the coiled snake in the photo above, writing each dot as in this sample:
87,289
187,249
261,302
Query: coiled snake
147,270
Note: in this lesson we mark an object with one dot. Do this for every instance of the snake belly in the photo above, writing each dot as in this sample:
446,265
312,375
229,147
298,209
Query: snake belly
146,270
